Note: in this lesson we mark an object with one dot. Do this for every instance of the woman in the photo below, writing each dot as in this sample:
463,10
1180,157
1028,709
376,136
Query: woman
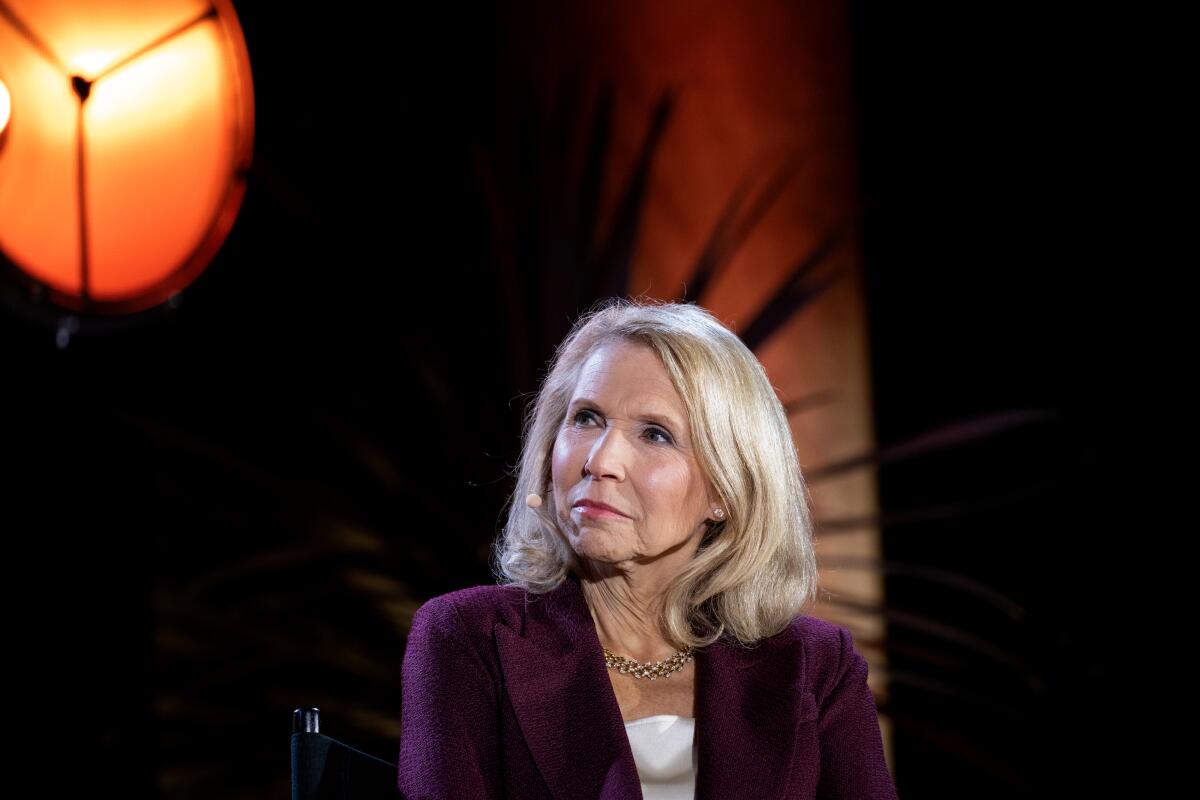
646,640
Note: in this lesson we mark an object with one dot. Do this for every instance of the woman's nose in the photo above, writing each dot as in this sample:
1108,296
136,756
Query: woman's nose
607,459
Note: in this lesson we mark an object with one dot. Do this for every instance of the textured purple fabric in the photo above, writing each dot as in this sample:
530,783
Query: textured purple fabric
506,695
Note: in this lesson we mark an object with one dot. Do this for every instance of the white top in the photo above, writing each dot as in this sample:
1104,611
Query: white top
664,747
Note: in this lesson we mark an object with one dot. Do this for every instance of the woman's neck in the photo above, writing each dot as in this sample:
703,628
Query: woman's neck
626,615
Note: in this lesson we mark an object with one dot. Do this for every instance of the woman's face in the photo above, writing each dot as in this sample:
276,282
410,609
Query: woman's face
625,443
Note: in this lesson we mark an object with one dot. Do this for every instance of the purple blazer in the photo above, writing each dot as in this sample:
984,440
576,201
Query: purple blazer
505,694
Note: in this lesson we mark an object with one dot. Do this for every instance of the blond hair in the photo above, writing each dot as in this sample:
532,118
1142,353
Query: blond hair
755,569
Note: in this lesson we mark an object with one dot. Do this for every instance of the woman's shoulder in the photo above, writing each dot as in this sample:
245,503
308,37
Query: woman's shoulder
812,650
827,650
805,638
477,612
816,634
474,606
806,632
486,595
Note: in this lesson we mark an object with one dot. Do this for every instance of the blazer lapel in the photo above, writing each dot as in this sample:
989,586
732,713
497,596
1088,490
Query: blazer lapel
749,709
564,703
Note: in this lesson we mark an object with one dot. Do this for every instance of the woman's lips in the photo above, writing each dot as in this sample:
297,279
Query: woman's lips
597,512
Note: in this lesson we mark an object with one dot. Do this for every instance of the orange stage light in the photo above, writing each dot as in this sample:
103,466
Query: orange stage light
123,164
5,109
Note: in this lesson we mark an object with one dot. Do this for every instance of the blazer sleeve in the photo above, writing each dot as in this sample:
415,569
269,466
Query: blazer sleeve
851,745
449,745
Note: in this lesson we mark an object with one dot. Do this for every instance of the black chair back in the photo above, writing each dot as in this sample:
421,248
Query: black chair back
326,769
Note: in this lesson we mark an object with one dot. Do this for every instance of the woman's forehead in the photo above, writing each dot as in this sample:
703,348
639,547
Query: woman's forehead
633,378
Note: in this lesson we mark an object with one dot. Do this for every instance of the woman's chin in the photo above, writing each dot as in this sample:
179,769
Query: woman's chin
597,544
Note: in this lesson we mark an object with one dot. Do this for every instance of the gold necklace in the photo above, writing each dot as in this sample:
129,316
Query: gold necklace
651,669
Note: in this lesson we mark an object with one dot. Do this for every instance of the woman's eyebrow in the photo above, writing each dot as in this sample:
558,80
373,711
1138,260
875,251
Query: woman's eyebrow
663,420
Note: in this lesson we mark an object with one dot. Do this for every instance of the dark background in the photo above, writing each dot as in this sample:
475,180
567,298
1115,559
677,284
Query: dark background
221,511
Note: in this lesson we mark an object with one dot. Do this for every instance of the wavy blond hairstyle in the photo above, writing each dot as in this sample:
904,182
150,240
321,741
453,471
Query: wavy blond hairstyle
755,569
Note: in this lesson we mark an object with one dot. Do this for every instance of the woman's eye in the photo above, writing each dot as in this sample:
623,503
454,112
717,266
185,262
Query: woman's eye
658,435
666,437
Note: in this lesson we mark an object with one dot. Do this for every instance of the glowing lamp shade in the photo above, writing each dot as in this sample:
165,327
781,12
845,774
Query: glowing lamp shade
5,108
128,137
